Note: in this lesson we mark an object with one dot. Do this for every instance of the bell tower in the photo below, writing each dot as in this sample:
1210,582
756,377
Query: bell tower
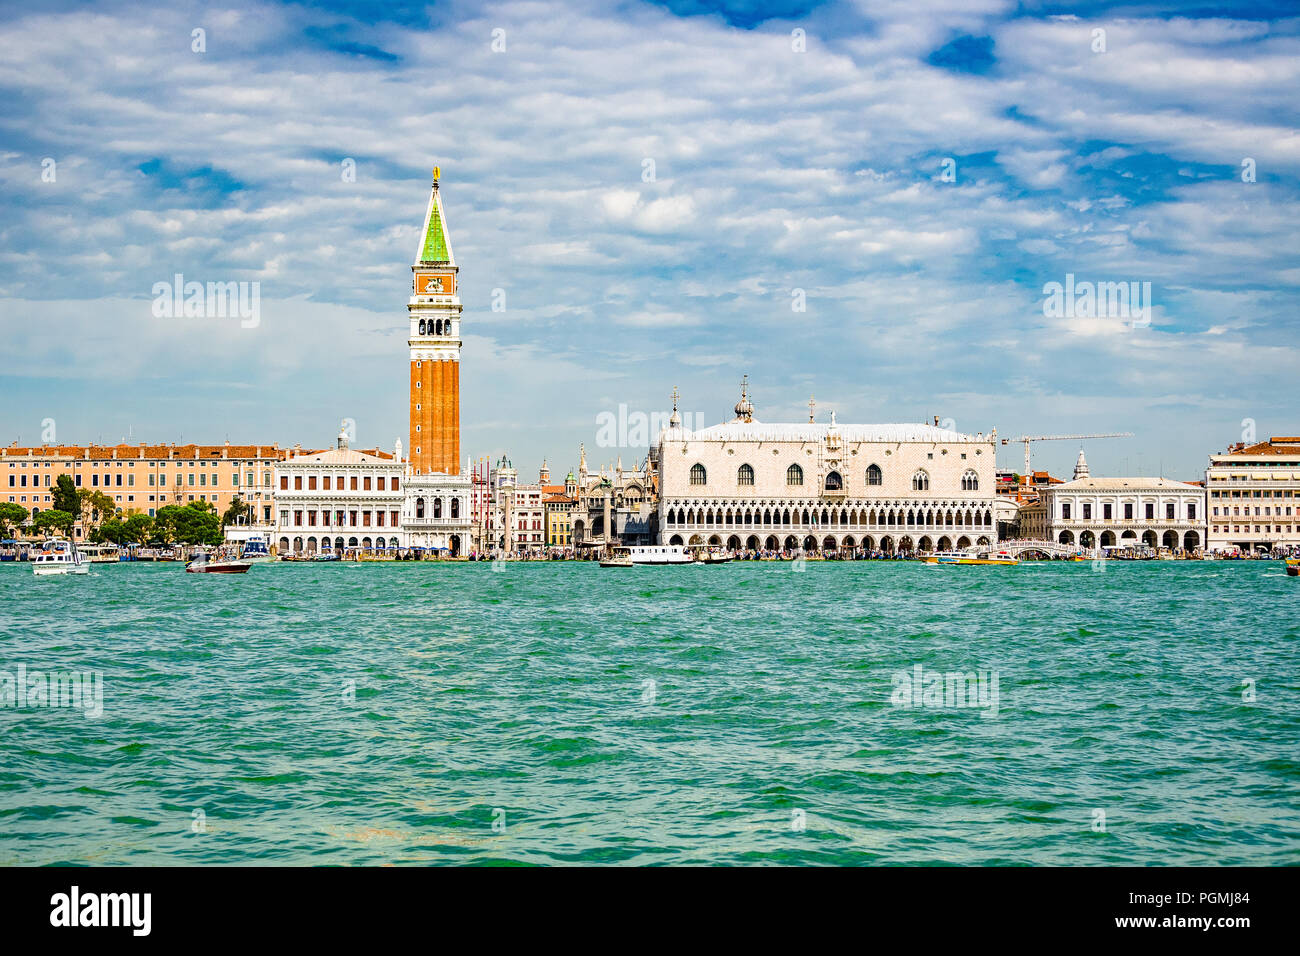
434,312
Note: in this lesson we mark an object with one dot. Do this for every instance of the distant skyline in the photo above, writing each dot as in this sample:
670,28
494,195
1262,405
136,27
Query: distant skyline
642,196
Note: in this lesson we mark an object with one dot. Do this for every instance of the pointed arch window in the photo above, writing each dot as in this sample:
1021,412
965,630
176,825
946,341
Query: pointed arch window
698,475
875,476
921,480
834,482
745,476
970,481
794,476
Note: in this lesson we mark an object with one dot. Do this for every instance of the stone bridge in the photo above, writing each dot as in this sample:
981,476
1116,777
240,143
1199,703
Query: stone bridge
1023,546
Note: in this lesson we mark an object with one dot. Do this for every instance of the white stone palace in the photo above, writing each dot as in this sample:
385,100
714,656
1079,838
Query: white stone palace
1118,512
814,487
338,500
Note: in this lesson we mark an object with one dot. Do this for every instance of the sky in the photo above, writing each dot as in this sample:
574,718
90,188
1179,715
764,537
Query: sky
862,202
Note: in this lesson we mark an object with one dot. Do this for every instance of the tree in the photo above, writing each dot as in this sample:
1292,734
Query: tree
133,528
238,509
12,517
66,498
53,520
194,523
96,507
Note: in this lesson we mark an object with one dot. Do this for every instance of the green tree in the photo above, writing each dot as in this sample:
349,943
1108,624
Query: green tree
194,523
53,520
96,506
66,498
238,509
12,517
133,528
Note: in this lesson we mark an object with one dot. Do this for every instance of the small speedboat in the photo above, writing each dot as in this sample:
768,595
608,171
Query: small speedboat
219,564
58,556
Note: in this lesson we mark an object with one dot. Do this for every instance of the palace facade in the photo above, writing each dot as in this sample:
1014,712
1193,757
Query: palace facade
143,478
1118,512
338,500
815,487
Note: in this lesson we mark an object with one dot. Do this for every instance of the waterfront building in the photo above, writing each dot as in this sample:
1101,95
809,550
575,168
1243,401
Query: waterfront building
142,478
558,503
516,516
1254,496
813,487
339,500
436,512
1118,512
622,500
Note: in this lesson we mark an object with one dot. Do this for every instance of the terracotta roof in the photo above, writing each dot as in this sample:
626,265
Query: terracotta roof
1274,446
124,452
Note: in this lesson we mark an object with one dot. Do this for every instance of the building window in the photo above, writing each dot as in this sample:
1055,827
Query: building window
745,475
1087,511
874,475
455,507
419,507
1169,510
969,480
1106,512
1151,511
1065,511
1128,511
698,475
921,481
834,482
1191,511
794,476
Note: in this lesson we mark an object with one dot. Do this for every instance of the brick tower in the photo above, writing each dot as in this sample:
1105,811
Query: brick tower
436,514
435,343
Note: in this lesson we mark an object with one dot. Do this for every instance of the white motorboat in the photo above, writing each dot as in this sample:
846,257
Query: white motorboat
58,556
255,549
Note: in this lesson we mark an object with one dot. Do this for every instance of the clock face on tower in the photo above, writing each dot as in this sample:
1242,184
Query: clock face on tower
439,284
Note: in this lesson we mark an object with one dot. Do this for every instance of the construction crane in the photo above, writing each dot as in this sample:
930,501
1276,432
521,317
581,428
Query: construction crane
1028,438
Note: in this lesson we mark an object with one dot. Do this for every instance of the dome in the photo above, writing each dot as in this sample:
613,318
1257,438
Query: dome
744,408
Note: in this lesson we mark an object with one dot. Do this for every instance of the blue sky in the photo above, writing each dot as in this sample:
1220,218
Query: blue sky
776,169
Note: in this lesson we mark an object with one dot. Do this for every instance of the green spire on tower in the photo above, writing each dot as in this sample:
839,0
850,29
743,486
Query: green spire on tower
435,247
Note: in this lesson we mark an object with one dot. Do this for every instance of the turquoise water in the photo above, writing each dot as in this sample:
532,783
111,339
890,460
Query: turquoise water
521,698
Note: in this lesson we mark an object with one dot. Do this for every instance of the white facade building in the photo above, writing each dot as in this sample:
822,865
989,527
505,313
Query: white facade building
1254,497
825,487
338,500
1136,512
